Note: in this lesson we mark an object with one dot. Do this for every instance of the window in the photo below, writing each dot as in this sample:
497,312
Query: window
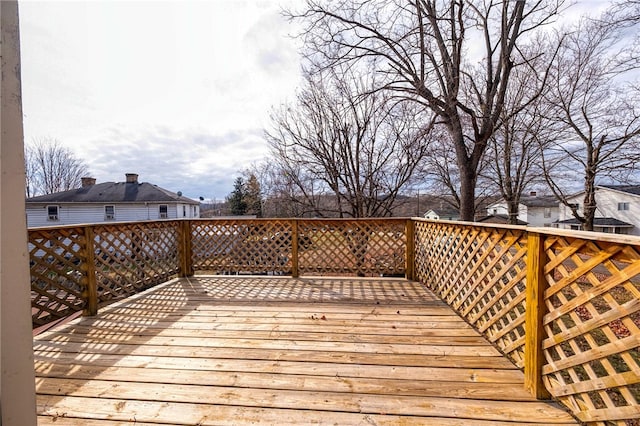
574,205
495,211
164,211
623,206
195,212
52,213
547,212
109,212
184,211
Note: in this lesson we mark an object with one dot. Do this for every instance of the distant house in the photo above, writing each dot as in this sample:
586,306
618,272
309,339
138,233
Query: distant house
498,218
444,213
109,201
533,210
617,211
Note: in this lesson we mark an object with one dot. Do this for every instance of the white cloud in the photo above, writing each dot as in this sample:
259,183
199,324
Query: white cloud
175,91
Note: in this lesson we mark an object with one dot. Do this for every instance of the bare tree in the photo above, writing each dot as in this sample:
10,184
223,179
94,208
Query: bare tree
454,57
443,176
515,148
51,167
594,110
253,195
360,149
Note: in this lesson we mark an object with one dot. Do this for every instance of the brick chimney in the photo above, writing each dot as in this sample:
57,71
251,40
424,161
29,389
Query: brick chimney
88,181
132,177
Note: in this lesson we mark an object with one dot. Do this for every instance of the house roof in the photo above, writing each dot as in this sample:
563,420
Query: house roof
598,221
499,218
629,189
445,211
539,201
533,201
114,192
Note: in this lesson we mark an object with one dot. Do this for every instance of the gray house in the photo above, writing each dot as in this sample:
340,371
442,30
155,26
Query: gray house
109,201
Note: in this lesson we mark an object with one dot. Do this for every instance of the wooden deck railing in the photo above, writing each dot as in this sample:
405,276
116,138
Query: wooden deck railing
563,306
78,268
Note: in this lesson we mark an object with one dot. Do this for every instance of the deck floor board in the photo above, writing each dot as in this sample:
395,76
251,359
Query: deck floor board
242,350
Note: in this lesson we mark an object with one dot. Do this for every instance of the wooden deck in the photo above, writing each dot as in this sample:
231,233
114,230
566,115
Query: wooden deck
211,350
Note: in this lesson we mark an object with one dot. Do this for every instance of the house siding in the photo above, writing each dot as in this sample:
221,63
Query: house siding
533,216
607,206
75,213
536,216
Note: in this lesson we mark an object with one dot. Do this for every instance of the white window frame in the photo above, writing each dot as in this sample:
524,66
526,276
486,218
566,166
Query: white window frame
623,206
53,217
184,211
547,212
112,215
165,214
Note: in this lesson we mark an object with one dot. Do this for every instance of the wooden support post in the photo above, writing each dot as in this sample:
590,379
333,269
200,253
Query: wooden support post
410,253
535,311
186,262
17,379
91,292
295,273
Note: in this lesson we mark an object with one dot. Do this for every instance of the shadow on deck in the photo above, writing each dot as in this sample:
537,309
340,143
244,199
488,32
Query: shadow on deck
234,350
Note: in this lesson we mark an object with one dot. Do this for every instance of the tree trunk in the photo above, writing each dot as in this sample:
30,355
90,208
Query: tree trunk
589,205
513,212
467,193
589,210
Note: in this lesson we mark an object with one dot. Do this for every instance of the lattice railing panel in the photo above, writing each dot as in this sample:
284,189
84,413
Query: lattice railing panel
134,256
593,320
58,273
242,246
352,247
480,272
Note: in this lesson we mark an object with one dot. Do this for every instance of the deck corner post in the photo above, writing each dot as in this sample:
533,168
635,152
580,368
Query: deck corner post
91,308
535,311
410,253
186,261
295,272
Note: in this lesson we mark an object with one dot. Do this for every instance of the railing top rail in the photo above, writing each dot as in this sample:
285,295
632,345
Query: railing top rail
314,219
95,224
585,235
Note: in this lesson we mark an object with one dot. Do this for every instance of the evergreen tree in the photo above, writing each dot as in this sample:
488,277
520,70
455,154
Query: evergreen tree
236,199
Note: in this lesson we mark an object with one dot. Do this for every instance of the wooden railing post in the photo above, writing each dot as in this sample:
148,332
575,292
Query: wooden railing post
295,273
535,311
91,292
410,254
186,262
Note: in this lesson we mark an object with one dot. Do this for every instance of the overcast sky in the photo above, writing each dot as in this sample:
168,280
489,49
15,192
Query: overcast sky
178,92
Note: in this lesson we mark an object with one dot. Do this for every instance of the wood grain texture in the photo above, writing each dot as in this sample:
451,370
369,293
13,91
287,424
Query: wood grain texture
179,354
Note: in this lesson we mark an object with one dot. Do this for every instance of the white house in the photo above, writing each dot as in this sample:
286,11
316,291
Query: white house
533,209
443,213
617,210
109,201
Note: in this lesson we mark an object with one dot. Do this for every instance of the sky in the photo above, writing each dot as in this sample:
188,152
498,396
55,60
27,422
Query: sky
178,92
